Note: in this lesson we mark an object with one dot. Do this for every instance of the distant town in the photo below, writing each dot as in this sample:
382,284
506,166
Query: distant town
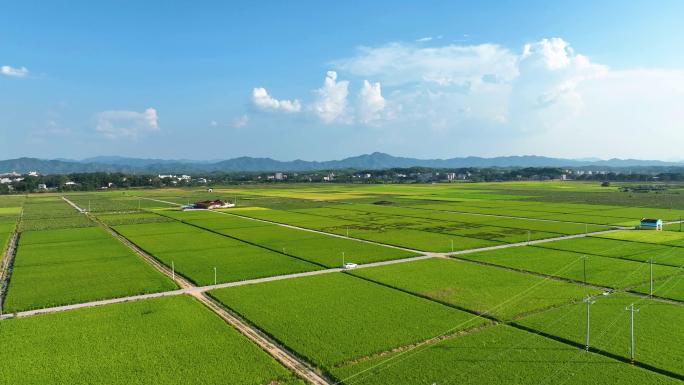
34,181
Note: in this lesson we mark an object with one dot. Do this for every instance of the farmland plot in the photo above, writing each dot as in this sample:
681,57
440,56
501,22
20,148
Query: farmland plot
317,248
637,251
333,318
671,238
604,271
483,289
48,213
658,330
65,266
671,288
497,355
171,340
195,253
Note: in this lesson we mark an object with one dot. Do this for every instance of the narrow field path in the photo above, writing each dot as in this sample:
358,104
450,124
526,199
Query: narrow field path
7,264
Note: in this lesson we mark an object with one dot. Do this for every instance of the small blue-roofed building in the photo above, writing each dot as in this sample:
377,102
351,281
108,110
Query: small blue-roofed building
651,224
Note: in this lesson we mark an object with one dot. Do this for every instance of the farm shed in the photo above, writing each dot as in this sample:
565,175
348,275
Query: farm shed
651,224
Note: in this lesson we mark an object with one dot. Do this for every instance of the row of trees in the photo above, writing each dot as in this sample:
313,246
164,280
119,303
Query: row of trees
97,180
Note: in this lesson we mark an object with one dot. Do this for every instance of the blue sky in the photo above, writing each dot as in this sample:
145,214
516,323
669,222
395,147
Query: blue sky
314,80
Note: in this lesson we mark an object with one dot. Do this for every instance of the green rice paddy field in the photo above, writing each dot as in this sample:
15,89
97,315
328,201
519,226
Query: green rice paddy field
159,341
494,297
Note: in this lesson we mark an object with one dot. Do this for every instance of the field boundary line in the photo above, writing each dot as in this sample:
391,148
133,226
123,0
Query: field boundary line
418,344
420,252
192,290
595,350
57,309
7,266
304,229
323,232
534,273
156,264
261,339
526,243
526,218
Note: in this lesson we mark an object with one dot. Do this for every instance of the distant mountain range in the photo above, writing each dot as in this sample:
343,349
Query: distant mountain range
374,161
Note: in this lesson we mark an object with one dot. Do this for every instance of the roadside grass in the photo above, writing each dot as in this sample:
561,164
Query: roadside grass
171,340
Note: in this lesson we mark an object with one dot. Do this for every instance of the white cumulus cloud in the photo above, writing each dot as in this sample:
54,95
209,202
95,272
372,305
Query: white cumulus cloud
331,99
14,72
264,101
122,124
371,103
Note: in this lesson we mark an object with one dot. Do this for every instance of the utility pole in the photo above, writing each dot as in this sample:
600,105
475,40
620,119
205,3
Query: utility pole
347,231
631,309
214,275
343,259
584,267
452,245
589,302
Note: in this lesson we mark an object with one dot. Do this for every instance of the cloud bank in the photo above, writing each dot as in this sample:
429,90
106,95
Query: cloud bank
14,72
543,98
122,124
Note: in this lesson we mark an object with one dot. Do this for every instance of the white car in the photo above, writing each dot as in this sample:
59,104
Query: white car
349,265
